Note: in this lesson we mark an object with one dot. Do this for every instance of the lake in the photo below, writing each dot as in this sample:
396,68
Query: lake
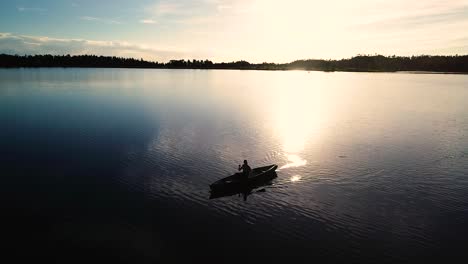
115,165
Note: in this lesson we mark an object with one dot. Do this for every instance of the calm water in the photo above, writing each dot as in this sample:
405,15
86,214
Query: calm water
114,165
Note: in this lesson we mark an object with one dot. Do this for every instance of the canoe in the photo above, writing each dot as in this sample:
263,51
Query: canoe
236,181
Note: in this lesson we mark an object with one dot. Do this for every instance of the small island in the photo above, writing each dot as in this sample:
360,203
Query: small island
359,63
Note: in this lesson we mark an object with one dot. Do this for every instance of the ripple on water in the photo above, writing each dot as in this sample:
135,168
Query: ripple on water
369,171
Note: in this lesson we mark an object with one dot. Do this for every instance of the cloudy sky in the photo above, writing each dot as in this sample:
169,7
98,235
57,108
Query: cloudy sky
226,30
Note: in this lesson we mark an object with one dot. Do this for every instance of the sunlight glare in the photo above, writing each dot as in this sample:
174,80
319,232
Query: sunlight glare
295,178
294,161
298,113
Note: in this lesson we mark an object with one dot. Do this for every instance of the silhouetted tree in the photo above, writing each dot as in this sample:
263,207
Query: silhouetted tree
359,63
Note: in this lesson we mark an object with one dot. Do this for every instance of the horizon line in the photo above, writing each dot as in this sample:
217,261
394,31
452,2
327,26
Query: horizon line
241,60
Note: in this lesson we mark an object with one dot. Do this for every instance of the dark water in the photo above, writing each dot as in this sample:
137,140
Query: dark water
113,165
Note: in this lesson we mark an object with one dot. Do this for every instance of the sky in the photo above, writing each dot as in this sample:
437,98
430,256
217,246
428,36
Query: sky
231,30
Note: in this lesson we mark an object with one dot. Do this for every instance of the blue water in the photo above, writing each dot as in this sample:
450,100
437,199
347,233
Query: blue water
114,165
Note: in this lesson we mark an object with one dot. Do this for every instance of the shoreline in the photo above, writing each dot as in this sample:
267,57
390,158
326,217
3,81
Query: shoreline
236,69
361,63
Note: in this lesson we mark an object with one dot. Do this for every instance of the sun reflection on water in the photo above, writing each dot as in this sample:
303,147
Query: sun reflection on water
295,178
294,161
298,116
298,113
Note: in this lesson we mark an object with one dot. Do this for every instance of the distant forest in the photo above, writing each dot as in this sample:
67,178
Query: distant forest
365,63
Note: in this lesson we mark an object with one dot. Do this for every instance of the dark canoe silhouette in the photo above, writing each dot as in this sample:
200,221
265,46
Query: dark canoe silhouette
236,184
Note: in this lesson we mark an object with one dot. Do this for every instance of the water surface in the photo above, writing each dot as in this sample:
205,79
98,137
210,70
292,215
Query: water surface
114,165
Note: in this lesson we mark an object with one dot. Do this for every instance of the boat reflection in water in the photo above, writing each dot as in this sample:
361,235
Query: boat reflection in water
234,184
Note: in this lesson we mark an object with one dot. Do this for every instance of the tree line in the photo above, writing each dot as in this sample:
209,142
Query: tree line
358,63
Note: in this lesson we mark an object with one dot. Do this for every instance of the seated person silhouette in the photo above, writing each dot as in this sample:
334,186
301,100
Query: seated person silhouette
245,170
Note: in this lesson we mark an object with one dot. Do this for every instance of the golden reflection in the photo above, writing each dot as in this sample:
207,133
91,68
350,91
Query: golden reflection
294,161
298,113
295,178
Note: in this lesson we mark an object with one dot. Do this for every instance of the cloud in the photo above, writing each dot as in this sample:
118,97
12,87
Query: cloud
407,28
148,21
167,8
21,44
419,16
31,9
102,20
282,31
195,8
202,13
222,7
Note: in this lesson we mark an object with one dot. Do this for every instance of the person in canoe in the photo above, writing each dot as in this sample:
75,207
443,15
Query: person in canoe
245,170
